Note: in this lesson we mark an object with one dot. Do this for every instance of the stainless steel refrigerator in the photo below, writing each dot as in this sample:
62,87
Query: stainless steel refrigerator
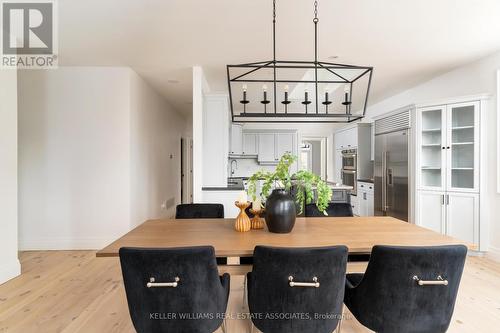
391,167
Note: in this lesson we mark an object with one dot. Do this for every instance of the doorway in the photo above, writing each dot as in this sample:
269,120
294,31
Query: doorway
313,155
187,170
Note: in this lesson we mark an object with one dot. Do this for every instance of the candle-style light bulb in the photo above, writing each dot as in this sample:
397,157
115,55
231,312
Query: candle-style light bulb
244,101
286,87
264,87
346,91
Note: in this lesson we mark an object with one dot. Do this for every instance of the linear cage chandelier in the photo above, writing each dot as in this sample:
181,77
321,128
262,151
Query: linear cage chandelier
277,91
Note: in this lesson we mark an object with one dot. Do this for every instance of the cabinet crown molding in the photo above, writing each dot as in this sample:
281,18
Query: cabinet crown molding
453,100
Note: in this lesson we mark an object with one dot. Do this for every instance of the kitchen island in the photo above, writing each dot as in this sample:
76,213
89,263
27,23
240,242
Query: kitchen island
227,195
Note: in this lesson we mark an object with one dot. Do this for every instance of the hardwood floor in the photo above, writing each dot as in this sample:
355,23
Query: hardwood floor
73,291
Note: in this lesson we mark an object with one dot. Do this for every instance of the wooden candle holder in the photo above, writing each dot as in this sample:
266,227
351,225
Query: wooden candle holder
256,221
242,223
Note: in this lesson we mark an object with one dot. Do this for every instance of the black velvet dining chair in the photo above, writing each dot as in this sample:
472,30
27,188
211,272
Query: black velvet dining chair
334,209
296,290
199,211
407,289
174,289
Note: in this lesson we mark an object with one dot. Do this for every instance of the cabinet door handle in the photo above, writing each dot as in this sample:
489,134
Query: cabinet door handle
442,199
447,199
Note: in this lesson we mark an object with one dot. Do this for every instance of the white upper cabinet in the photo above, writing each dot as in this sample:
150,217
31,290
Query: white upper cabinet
432,148
236,146
215,141
284,144
250,144
462,148
271,146
347,139
267,148
448,151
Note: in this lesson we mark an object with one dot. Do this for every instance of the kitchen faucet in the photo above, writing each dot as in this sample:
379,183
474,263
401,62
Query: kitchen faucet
232,170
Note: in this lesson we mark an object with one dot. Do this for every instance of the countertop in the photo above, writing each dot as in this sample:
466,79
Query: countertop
236,184
334,186
233,184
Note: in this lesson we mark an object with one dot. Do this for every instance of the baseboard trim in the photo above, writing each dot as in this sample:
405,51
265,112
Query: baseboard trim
10,270
51,243
493,253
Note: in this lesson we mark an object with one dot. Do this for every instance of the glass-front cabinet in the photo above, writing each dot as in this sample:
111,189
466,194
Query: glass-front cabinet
432,155
448,150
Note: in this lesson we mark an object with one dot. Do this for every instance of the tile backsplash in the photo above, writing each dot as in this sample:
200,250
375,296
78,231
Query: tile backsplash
246,167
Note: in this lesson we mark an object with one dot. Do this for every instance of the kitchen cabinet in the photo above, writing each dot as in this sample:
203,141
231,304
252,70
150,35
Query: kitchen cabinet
267,148
431,212
273,145
355,204
215,141
236,144
284,144
462,216
449,213
358,139
346,139
338,166
372,135
365,196
250,144
448,180
448,147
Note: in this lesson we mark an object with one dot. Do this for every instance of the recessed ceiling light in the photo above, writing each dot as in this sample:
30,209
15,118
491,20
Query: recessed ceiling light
173,81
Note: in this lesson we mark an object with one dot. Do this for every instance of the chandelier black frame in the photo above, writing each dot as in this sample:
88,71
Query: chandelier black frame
307,116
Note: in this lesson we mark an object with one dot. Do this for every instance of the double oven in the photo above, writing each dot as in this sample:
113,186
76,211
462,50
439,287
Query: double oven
349,168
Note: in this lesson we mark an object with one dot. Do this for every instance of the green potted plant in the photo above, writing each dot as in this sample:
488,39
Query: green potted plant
280,205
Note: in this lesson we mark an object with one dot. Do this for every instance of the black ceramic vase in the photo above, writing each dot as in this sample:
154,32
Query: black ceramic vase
280,212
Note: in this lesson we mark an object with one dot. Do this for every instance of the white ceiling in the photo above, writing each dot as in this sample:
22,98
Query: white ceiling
407,42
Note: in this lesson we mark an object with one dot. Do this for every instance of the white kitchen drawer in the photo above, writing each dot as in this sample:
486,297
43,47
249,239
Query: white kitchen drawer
365,187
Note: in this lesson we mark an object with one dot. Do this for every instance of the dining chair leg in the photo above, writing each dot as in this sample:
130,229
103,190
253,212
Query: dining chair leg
245,294
223,326
339,326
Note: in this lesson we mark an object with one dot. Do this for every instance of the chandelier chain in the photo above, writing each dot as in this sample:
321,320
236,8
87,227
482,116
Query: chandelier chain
315,11
274,10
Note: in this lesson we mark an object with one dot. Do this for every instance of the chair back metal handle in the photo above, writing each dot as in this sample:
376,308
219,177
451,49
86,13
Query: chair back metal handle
314,284
438,282
153,284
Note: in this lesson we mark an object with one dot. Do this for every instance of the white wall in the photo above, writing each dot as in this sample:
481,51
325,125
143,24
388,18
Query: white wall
156,131
73,156
200,88
476,78
93,149
9,264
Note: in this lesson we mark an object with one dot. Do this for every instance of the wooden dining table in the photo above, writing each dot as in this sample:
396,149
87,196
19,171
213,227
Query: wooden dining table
359,234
